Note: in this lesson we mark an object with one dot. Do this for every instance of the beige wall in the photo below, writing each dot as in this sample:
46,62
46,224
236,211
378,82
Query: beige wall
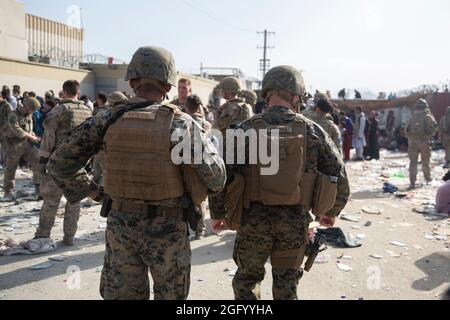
41,78
111,77
13,41
59,42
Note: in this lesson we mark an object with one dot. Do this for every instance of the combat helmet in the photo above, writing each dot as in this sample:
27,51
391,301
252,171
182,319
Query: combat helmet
153,62
117,97
230,84
421,104
250,96
285,78
31,103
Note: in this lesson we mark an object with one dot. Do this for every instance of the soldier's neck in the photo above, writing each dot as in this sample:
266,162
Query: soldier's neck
277,101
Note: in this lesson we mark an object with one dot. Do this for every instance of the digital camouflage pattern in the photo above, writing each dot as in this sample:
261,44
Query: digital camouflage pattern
420,144
267,230
270,229
284,78
58,124
67,163
250,96
230,84
153,62
326,122
52,198
140,241
231,114
17,146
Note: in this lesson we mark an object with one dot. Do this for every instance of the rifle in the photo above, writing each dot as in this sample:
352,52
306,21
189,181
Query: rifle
313,250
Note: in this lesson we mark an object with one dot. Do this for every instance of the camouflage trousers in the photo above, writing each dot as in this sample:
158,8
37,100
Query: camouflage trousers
3,151
98,168
137,243
16,151
278,233
423,149
52,197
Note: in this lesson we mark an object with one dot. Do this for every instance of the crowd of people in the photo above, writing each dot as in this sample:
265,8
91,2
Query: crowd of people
125,142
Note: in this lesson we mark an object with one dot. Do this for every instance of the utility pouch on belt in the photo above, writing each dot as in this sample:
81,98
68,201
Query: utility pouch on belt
195,187
289,259
234,203
191,215
325,194
106,206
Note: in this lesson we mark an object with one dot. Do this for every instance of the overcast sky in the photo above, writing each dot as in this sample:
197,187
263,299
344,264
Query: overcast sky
381,45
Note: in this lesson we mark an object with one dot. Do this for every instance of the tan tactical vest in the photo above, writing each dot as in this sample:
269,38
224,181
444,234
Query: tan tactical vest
138,156
418,127
284,187
244,114
75,115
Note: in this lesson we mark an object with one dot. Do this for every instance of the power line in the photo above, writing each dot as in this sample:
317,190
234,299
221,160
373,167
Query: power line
212,16
265,63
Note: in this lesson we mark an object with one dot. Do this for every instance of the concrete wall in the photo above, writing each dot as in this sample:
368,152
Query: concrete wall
110,78
41,77
13,41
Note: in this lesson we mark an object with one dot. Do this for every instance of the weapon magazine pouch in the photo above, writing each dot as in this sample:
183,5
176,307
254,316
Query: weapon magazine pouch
284,187
234,202
325,194
289,259
308,186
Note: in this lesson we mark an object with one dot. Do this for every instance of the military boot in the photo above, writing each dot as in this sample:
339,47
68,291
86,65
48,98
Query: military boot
69,241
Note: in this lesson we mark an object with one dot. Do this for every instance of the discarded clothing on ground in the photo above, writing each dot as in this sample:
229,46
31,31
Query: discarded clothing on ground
389,188
31,247
338,238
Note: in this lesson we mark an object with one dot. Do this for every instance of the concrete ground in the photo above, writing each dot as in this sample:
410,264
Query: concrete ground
419,270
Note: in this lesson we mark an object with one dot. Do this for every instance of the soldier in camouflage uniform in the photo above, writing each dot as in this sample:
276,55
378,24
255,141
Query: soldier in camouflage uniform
250,97
194,106
58,125
280,230
324,119
98,164
146,228
5,109
420,129
235,110
184,91
229,116
444,136
19,143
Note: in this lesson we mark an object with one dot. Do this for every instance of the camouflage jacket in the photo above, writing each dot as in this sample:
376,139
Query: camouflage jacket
180,105
103,108
59,123
429,123
327,124
19,124
66,165
231,114
200,118
5,109
322,155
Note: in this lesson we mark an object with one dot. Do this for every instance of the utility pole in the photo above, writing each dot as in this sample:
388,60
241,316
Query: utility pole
265,63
